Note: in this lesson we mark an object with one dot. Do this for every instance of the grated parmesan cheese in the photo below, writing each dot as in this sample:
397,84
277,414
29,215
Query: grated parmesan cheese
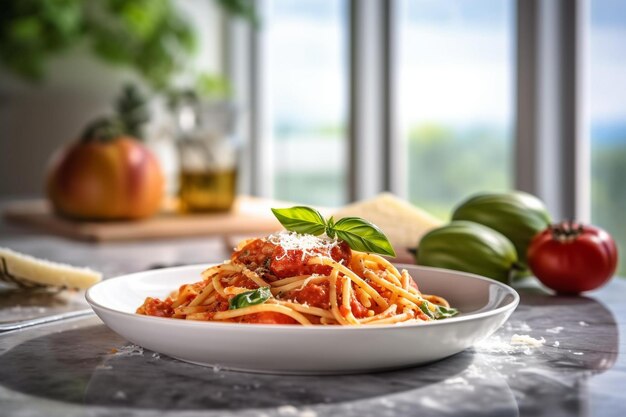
308,244
524,339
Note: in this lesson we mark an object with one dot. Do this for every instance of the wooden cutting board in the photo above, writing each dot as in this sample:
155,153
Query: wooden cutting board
249,216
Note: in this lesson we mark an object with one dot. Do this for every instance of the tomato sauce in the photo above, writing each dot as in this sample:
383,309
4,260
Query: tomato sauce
156,307
293,262
315,295
267,317
254,255
275,262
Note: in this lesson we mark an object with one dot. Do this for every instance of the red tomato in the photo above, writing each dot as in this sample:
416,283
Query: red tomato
571,258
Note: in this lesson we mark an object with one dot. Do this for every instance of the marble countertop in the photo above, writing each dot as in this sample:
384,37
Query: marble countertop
79,367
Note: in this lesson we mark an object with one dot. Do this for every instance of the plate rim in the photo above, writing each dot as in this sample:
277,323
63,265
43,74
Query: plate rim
287,328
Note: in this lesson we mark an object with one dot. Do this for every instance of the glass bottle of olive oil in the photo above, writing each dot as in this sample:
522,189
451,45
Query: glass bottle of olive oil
208,158
207,190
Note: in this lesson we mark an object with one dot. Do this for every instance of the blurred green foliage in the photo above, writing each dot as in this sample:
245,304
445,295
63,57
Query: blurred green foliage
608,194
150,36
446,165
131,107
212,86
243,8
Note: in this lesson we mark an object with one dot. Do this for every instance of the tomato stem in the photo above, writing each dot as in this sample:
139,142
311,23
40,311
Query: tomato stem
104,129
566,231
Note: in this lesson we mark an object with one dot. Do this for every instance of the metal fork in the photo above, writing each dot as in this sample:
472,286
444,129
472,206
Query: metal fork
18,325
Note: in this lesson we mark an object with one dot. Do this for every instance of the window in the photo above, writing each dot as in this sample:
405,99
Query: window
307,93
444,102
456,79
607,111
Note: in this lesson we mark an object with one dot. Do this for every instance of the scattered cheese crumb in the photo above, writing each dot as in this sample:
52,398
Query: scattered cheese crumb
287,410
555,330
120,395
524,339
129,350
495,344
578,353
582,323
457,380
556,343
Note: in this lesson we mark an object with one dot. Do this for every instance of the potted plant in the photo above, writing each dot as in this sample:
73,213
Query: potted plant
84,50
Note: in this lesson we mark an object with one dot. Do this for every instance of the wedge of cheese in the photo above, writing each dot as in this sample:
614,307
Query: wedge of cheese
27,271
403,223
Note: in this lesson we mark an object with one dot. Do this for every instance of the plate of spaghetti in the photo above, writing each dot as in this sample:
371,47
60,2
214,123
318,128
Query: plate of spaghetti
299,303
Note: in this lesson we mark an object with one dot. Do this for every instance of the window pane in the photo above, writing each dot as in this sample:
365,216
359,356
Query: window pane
307,89
608,116
456,69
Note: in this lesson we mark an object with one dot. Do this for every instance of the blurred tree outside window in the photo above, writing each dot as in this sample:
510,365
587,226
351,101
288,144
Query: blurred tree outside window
607,105
307,93
456,69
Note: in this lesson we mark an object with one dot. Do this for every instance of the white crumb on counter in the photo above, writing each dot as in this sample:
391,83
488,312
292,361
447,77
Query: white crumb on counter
516,326
457,380
495,344
290,410
287,410
524,339
555,330
119,395
583,324
129,350
578,353
387,403
556,343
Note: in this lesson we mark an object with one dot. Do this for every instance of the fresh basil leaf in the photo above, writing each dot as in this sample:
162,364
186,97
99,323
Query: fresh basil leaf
440,312
426,310
250,298
445,312
363,236
330,227
301,219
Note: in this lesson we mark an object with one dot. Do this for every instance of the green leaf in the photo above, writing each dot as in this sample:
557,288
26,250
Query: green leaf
301,219
440,312
363,236
250,298
330,227
213,86
426,310
444,312
358,233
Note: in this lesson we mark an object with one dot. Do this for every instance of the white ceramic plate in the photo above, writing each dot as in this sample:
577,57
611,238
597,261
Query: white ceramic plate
484,304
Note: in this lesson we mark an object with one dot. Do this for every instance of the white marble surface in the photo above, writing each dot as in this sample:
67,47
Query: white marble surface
79,367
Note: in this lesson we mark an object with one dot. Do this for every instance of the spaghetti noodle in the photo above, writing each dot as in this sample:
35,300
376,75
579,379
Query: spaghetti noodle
288,278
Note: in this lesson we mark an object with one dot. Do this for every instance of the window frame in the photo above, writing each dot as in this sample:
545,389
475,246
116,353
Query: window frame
551,141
